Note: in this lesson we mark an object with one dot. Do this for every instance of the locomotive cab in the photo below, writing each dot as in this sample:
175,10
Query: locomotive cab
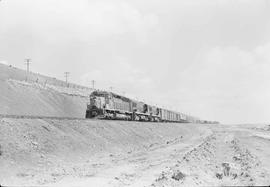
97,104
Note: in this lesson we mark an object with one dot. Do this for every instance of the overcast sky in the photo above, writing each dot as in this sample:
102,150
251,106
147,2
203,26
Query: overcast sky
209,58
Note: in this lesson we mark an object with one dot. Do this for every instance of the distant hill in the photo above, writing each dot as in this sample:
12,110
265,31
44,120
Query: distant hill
40,95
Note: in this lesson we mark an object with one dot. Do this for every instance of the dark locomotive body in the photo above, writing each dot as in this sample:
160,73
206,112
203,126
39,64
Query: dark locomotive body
108,105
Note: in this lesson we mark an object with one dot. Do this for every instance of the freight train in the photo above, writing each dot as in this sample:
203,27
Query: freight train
108,105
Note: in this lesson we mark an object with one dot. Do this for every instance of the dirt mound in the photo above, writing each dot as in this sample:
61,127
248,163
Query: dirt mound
220,160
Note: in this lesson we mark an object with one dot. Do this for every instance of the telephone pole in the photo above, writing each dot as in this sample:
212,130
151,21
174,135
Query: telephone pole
27,62
93,84
66,76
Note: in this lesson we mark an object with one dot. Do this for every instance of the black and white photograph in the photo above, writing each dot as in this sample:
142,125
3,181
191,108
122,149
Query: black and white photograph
137,93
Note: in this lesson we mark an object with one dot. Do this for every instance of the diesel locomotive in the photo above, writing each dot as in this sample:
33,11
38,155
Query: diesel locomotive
109,105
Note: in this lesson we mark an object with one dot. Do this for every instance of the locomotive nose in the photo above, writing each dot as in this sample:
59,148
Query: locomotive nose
93,101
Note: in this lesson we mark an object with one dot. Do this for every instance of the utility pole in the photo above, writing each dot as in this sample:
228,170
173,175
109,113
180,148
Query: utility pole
27,62
66,76
111,88
93,84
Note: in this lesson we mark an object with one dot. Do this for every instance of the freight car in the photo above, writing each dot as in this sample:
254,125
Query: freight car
108,105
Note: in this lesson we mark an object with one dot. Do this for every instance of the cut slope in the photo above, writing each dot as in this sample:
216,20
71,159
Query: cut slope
40,95
10,72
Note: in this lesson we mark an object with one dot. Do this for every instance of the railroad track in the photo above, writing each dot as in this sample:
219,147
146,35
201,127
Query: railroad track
11,116
39,117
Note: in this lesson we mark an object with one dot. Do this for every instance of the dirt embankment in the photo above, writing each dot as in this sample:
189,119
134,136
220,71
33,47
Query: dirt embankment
226,158
38,95
44,151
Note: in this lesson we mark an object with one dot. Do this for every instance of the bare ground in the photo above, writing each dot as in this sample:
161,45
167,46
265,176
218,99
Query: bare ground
229,157
55,152
52,151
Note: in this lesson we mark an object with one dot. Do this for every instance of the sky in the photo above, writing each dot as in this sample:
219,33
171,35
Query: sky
207,58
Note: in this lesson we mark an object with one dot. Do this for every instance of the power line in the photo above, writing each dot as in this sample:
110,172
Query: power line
66,74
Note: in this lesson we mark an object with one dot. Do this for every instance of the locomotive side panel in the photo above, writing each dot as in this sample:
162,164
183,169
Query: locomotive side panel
121,105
